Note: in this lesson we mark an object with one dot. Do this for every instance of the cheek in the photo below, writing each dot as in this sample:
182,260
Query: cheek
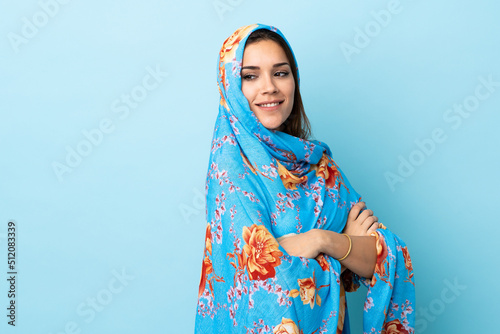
290,90
246,89
291,94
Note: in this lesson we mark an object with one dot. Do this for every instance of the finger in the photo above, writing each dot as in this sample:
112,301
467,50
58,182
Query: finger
369,221
373,228
365,225
364,215
353,214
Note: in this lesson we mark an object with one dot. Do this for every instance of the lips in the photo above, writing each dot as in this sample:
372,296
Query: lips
270,104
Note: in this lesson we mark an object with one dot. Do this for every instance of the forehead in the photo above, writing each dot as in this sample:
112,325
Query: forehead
264,52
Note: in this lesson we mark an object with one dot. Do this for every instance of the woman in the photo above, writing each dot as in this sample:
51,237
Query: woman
286,233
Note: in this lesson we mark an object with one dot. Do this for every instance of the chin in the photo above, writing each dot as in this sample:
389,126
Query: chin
272,124
273,127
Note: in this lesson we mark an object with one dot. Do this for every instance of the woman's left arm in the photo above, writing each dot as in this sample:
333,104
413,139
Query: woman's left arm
362,257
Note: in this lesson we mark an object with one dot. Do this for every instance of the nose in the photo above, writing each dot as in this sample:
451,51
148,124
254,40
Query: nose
268,85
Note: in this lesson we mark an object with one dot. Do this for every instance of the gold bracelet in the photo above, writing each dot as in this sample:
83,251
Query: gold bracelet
350,246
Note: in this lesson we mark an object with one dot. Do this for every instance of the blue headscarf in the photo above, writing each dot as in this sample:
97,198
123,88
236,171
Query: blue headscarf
262,185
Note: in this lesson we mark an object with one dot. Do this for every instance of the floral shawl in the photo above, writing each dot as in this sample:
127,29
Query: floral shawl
262,185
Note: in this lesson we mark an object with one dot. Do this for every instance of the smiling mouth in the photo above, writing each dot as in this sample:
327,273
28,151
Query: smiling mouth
269,104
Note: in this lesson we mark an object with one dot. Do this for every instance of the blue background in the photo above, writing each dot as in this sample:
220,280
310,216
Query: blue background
132,207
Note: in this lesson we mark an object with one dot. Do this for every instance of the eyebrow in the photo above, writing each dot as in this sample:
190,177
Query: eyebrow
257,67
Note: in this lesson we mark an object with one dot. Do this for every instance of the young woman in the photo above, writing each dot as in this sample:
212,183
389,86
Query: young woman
286,233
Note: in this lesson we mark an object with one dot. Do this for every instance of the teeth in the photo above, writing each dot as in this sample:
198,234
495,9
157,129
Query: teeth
269,104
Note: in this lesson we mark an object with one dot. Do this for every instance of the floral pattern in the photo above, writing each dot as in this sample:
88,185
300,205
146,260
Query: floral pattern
382,264
262,185
227,55
287,326
394,327
323,262
289,179
207,268
329,171
408,264
308,291
262,252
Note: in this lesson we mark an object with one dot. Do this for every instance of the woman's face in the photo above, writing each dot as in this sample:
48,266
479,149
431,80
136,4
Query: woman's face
267,82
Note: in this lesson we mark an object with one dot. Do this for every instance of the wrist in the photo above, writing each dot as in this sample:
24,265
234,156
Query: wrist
348,250
332,243
318,237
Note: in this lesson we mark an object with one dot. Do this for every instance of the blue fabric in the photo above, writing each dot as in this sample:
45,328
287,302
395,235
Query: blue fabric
264,184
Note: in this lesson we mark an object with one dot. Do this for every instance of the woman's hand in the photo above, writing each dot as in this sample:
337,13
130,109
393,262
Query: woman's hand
360,224
303,244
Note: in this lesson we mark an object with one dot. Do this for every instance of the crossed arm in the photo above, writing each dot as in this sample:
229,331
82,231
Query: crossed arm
359,226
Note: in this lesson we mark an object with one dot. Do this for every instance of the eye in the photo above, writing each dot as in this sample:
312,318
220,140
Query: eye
248,76
282,74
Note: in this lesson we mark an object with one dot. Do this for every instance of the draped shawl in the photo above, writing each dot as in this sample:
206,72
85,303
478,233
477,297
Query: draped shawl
262,185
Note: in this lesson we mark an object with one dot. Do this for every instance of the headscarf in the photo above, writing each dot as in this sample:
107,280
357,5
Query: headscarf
261,185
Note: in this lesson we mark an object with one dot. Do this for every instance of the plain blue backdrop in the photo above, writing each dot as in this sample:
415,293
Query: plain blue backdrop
107,112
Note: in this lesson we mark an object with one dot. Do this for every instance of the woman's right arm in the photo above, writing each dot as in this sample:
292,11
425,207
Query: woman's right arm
362,254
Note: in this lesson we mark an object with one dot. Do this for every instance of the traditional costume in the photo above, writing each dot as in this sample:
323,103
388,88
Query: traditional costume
262,185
